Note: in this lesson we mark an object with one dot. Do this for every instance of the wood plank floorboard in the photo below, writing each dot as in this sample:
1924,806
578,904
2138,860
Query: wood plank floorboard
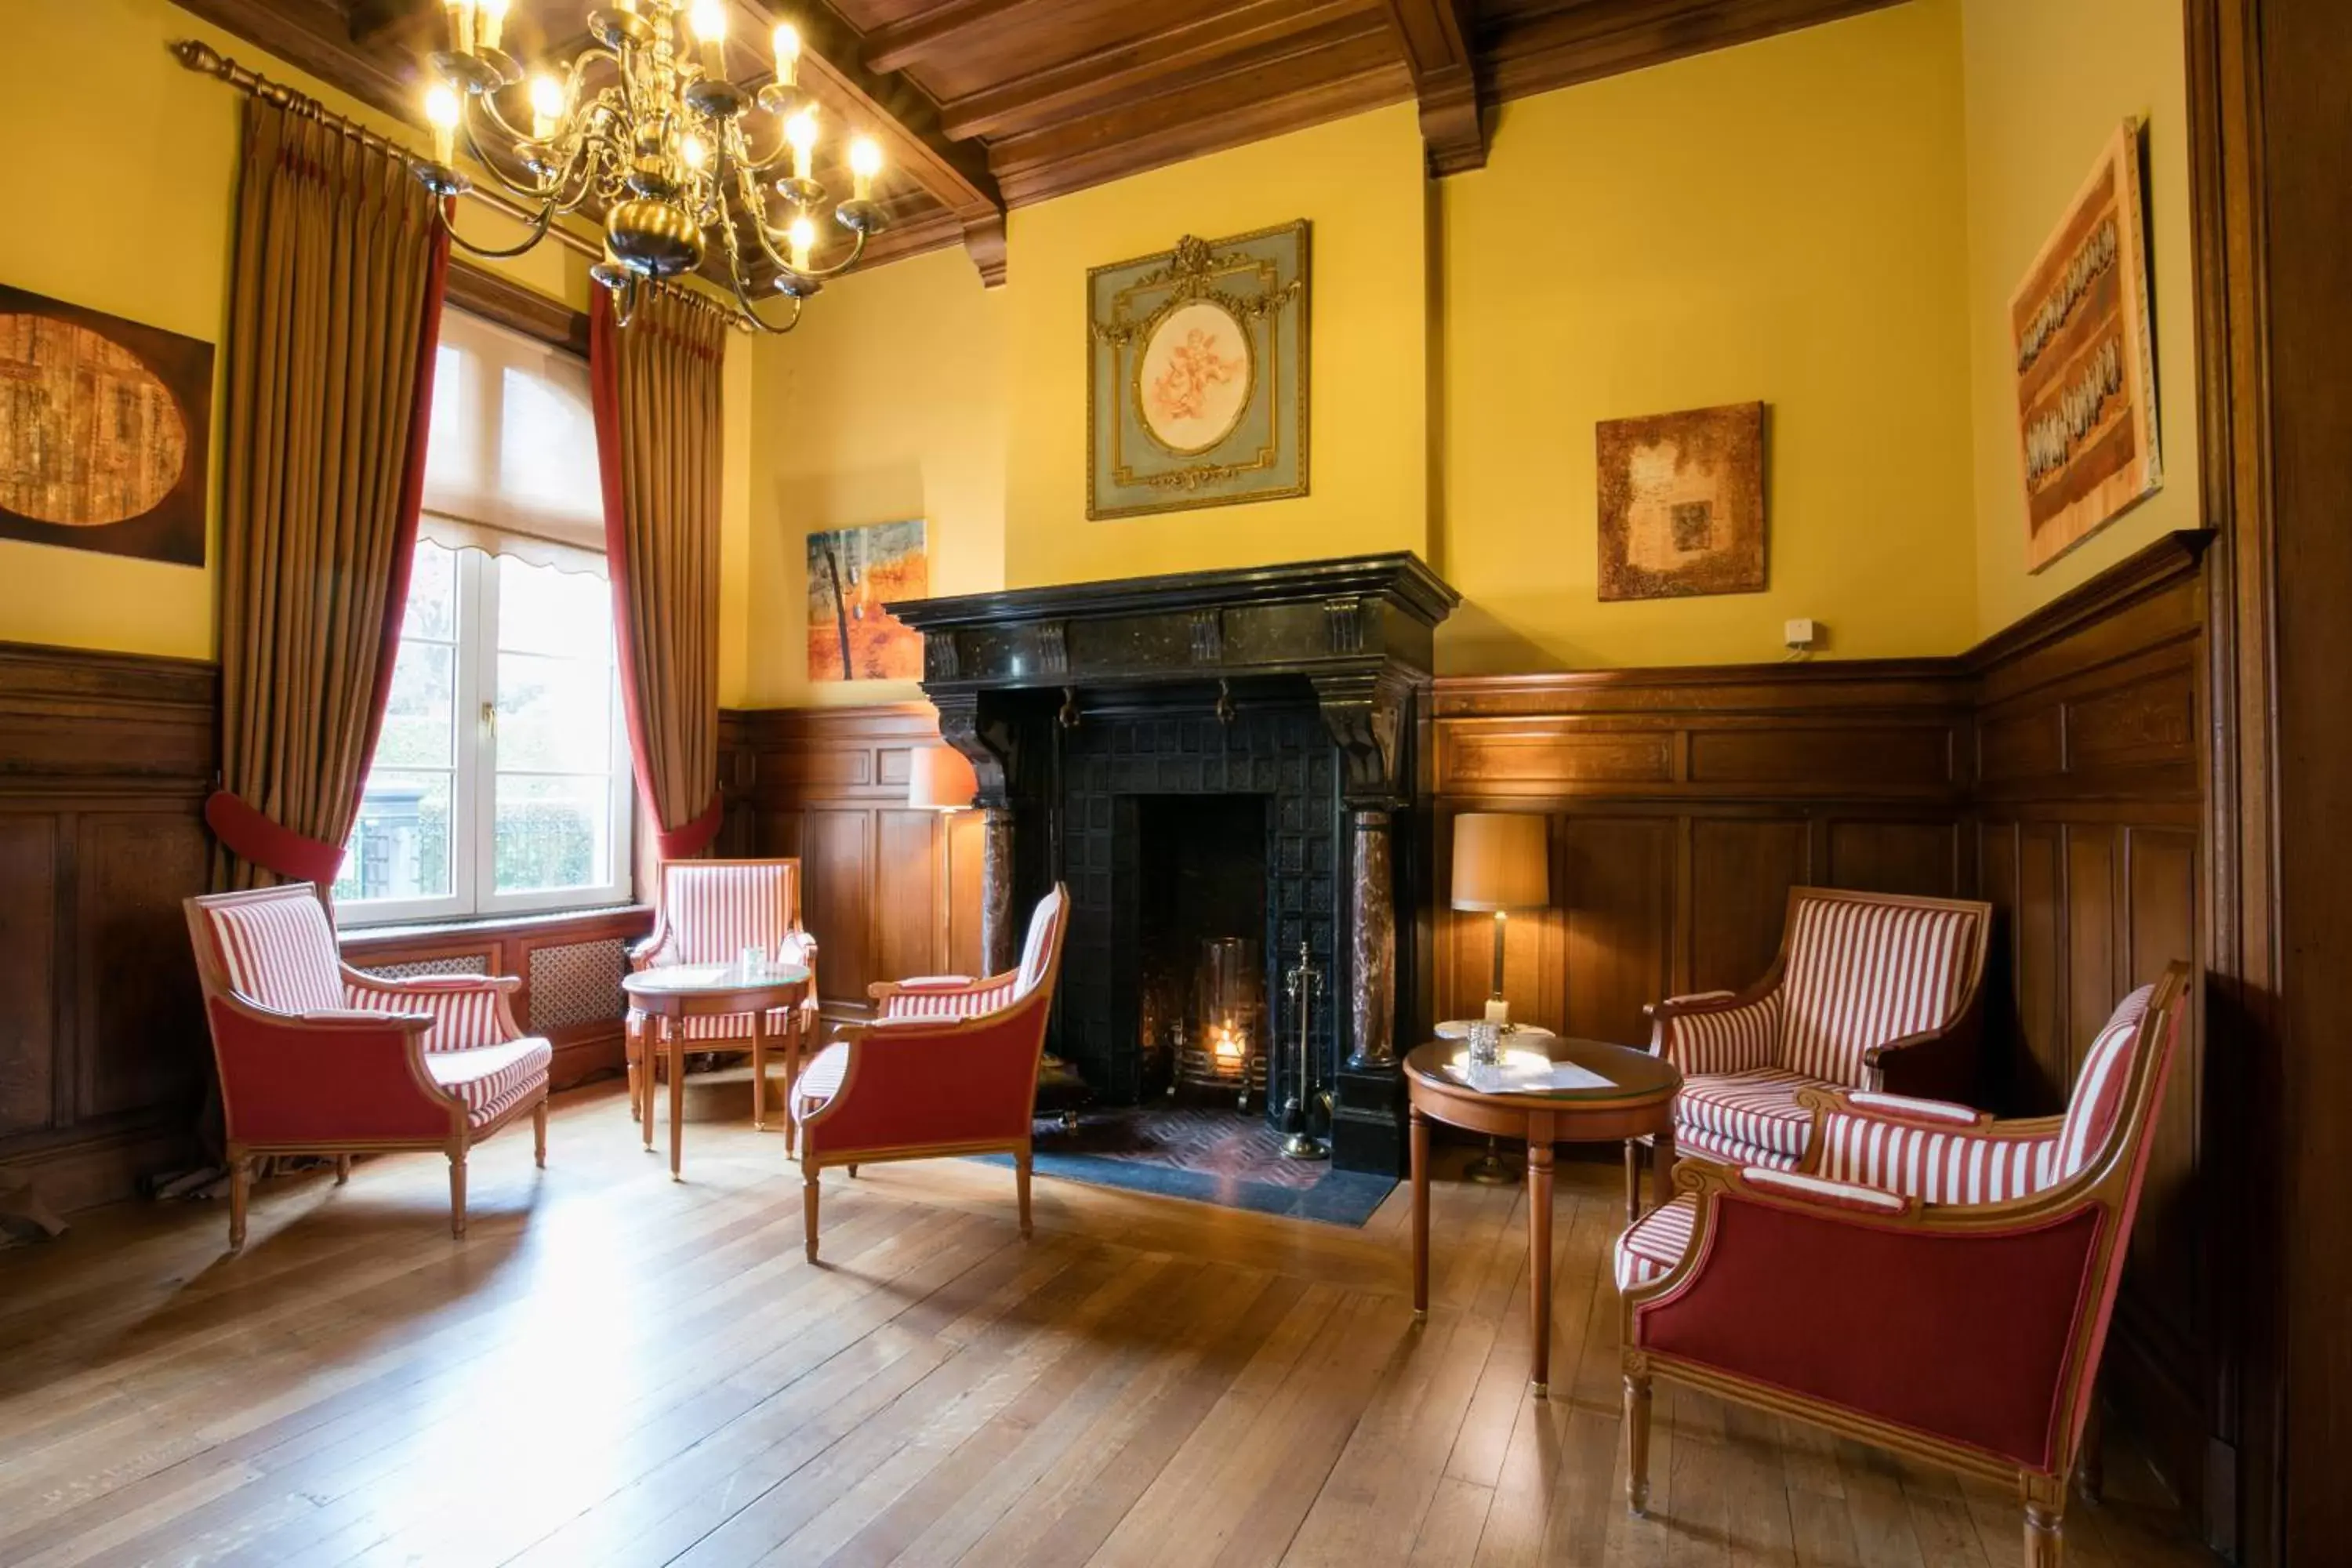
616,1369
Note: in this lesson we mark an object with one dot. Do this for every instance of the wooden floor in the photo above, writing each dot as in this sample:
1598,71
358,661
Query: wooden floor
612,1368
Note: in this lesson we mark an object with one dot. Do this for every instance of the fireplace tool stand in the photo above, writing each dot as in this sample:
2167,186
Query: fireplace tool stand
1302,982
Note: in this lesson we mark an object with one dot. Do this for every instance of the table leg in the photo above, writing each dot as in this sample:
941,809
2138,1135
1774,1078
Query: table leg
650,1051
1539,1261
799,1022
1662,1172
1420,1214
759,1071
677,1102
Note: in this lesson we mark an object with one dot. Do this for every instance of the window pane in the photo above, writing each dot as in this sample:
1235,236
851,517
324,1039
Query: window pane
555,715
431,595
417,716
400,846
552,832
547,446
452,464
542,610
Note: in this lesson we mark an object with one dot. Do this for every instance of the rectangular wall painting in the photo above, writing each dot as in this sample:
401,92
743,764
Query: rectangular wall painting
2085,363
1197,375
1682,503
105,429
855,575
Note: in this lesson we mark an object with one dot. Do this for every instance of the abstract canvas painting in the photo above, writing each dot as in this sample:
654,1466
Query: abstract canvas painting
1682,503
1197,375
855,575
104,431
2085,363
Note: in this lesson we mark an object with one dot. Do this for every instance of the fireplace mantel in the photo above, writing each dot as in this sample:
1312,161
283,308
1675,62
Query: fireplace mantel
1012,673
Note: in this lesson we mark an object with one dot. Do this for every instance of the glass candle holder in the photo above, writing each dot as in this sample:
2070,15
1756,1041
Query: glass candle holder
1485,1042
752,961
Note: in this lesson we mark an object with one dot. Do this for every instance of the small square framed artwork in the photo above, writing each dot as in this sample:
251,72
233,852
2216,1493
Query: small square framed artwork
1682,503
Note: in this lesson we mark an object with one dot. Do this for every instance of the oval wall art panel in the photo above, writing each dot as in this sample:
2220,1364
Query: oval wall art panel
102,431
1193,378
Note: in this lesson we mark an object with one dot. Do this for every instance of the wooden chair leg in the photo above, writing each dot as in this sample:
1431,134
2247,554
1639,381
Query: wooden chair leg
1021,1184
538,1133
342,1169
853,1173
1637,1442
240,1184
1632,1179
457,1192
2091,1462
2045,1517
808,1210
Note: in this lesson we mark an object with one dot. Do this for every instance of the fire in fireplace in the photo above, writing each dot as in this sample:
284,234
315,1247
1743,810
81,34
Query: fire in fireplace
1227,1033
1200,908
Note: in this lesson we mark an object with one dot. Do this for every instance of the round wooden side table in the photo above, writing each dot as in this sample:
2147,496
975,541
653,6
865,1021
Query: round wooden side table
1637,1100
669,995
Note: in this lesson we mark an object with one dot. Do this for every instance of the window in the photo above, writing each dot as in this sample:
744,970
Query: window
500,784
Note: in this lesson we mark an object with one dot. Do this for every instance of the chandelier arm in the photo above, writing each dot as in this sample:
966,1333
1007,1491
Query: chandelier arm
845,264
537,232
751,312
534,193
489,100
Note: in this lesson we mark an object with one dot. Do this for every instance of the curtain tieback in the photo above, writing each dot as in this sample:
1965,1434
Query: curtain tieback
254,834
684,843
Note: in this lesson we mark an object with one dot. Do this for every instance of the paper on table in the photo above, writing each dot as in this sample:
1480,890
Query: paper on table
1524,1073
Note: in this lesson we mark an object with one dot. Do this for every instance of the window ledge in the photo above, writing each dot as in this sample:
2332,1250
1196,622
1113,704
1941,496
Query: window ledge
402,932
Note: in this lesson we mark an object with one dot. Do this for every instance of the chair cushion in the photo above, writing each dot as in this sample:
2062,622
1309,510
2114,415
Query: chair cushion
820,1081
2098,1095
489,1080
1038,951
1745,1118
279,952
1863,974
1656,1242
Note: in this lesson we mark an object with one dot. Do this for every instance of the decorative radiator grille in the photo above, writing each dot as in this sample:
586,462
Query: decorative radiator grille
579,983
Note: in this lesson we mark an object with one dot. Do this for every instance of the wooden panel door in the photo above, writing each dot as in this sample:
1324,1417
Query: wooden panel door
836,853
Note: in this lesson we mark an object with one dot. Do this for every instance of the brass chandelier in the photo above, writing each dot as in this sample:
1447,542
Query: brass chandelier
646,123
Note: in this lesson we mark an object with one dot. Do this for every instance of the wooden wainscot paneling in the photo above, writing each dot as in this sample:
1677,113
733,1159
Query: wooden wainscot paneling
1685,802
829,785
2088,833
570,964
104,763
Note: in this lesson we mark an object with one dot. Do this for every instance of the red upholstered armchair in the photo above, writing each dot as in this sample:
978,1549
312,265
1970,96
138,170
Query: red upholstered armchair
1933,1281
707,911
318,1058
948,1067
1869,991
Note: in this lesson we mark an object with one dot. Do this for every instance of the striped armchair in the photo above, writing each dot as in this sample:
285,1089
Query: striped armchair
1869,991
707,911
1996,1246
316,1058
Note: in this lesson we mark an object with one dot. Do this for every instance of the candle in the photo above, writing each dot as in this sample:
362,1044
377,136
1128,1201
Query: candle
1498,1011
801,131
710,22
441,111
802,234
788,54
546,107
690,147
461,26
865,163
493,23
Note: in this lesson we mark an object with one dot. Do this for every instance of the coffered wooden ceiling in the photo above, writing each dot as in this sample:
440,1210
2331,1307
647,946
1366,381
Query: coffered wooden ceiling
983,105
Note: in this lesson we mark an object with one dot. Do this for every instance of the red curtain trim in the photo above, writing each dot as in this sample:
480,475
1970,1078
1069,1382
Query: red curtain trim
685,843
254,835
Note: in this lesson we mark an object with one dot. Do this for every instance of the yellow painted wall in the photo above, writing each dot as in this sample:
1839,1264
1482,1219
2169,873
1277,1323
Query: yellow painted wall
1783,221
132,212
2047,84
887,403
1358,181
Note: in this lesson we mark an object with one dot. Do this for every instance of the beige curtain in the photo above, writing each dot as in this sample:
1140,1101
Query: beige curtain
656,386
336,296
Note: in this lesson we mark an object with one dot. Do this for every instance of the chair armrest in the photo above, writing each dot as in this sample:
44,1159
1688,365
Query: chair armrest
465,1010
924,1083
654,948
1717,1031
1935,1150
938,995
1939,1063
325,1077
1902,1108
1806,1189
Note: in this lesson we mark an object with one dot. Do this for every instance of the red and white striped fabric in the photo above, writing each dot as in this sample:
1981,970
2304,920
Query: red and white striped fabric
1747,1118
279,952
712,912
1859,975
464,1011
1910,1107
1987,1164
491,1080
1656,1242
1735,1039
964,1001
1044,923
1818,1190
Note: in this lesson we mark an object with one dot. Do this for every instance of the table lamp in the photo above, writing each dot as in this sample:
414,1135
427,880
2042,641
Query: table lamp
1500,863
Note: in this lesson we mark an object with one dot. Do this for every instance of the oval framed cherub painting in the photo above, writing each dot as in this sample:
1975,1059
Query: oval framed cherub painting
1198,375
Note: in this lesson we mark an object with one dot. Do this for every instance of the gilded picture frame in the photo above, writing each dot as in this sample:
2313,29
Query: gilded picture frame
1197,362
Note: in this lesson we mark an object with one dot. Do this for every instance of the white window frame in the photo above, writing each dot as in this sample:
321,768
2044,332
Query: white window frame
473,793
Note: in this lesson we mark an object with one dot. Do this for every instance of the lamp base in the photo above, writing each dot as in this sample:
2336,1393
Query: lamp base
1490,1169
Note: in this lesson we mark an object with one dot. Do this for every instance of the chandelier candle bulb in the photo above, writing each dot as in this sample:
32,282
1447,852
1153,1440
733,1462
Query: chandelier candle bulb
788,54
492,26
710,22
801,131
691,151
802,234
441,111
461,28
865,163
547,107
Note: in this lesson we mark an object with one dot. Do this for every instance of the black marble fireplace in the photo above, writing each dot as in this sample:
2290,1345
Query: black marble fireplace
1213,755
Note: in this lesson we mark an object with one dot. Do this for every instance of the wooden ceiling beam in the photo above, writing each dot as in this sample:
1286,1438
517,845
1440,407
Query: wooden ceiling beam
1437,40
1160,62
1521,56
895,46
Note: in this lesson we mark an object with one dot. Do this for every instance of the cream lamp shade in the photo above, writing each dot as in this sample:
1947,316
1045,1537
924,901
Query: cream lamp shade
941,780
1499,861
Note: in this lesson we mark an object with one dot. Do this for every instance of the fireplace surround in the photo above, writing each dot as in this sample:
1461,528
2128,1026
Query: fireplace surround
1090,711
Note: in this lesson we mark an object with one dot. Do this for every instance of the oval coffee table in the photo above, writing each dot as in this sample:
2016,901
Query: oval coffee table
675,993
1637,1102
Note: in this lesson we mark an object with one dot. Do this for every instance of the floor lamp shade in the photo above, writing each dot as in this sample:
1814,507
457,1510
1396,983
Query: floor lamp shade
1500,861
940,779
